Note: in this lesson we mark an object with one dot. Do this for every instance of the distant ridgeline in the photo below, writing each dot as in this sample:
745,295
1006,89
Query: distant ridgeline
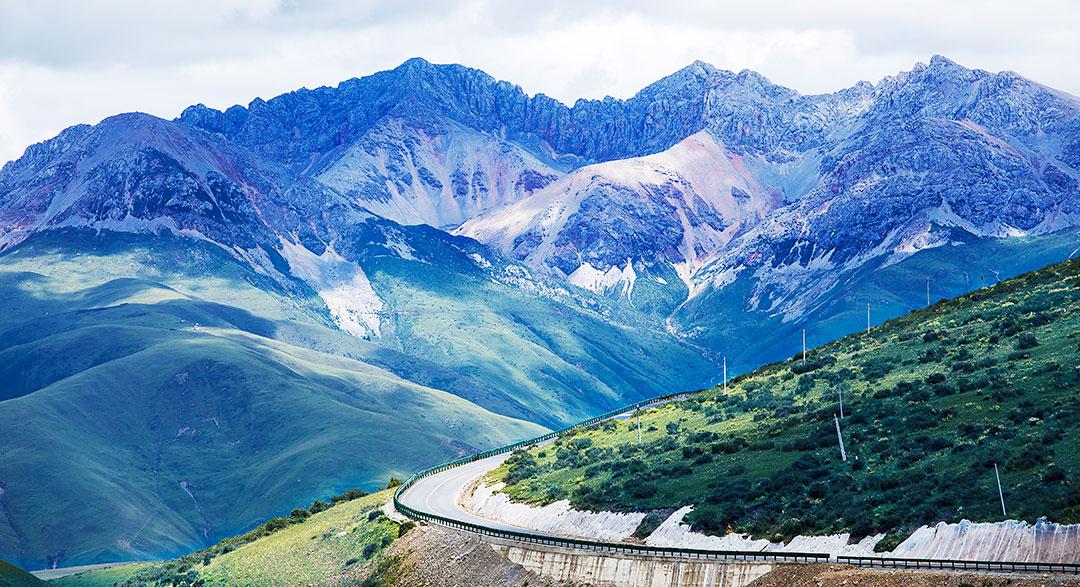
932,402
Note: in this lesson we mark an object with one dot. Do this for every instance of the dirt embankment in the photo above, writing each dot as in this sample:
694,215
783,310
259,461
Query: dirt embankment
842,575
434,557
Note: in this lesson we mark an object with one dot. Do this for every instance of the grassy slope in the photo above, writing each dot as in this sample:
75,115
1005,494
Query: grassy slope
538,359
12,576
330,546
129,432
932,400
125,410
722,322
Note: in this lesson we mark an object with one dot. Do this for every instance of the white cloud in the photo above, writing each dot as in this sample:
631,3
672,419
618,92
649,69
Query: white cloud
66,61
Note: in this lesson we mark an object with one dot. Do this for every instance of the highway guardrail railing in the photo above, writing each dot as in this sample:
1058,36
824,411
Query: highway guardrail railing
959,564
688,553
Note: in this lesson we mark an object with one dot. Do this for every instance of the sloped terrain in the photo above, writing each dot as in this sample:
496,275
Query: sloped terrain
12,576
931,403
227,303
181,420
194,398
812,199
335,543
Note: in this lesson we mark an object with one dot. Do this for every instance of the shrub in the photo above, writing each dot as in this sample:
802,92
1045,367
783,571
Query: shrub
641,489
1026,341
348,495
370,549
1054,474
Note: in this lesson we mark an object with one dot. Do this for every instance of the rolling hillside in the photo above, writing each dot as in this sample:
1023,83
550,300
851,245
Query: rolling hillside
182,419
12,576
932,402
327,543
195,339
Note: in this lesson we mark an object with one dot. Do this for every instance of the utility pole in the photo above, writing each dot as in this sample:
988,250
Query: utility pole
804,344
840,437
725,374
840,392
639,427
1000,494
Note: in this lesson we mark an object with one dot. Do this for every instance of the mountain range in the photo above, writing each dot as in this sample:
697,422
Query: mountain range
210,319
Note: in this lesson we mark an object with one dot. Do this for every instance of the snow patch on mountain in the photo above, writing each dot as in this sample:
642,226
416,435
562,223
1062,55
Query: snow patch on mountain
342,285
593,279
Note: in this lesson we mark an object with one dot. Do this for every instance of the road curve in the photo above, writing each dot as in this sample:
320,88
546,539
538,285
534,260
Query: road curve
433,495
438,494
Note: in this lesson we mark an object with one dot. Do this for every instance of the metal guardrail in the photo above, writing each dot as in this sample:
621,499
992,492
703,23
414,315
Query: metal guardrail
959,564
618,547
690,553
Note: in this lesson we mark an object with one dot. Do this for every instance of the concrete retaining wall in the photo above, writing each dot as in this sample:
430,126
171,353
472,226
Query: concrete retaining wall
609,570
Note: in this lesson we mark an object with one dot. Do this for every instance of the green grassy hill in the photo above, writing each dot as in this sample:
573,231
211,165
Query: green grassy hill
148,415
333,546
12,576
932,401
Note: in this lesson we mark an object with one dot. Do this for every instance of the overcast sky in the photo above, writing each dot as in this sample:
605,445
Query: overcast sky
64,62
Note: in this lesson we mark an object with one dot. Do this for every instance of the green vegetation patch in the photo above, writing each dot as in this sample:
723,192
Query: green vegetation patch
12,576
313,546
931,401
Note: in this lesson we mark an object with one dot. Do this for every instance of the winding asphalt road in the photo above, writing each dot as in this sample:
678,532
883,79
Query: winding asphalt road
438,494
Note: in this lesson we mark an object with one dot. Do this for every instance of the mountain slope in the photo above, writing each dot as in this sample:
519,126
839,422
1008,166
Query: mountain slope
714,213
328,543
421,170
12,576
850,184
676,208
931,402
945,159
264,334
197,420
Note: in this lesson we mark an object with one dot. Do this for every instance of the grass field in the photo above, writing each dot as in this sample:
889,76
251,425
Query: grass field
162,395
12,576
334,546
142,420
932,401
